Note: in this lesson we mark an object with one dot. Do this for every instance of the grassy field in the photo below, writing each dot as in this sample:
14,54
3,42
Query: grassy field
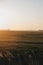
21,47
21,36
14,38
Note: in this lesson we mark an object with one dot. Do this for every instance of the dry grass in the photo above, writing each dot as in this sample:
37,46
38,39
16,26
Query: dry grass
23,36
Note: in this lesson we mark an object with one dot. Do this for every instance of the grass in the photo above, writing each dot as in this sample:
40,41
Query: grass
21,47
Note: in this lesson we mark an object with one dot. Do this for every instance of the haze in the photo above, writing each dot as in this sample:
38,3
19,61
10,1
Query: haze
21,14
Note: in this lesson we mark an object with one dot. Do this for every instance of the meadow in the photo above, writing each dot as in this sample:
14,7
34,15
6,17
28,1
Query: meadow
21,47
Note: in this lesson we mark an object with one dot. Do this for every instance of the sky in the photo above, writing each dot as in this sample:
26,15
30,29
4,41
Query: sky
21,14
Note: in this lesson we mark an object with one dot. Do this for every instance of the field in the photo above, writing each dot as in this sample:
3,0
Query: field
9,38
21,47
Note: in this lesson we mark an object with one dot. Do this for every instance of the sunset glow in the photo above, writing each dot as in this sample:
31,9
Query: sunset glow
21,14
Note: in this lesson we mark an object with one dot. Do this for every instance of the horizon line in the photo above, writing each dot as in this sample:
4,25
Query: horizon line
18,30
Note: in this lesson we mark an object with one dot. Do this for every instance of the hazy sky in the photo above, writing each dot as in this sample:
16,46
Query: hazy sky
21,14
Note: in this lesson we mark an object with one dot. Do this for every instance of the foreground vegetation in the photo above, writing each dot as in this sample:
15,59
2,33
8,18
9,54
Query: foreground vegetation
21,56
